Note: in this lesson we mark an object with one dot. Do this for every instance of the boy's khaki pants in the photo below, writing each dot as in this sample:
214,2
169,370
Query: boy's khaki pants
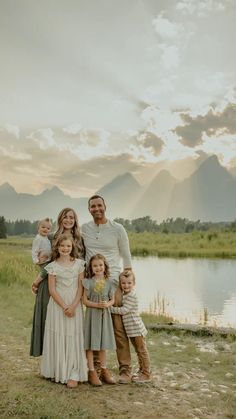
139,344
122,341
122,345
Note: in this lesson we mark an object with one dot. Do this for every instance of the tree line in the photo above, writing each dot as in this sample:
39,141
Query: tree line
171,225
138,225
18,227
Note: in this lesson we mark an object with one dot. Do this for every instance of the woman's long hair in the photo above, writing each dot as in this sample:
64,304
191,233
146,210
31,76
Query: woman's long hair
75,231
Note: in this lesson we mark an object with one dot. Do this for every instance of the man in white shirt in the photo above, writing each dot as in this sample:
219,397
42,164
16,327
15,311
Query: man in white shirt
110,239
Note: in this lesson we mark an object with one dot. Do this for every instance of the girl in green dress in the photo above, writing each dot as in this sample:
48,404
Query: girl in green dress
98,329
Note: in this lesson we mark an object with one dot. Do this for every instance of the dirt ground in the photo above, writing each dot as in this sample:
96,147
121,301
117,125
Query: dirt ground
192,378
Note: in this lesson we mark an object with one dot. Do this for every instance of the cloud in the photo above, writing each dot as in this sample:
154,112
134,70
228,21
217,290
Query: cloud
170,34
212,124
170,56
86,177
200,8
44,137
51,156
73,129
14,155
13,129
151,141
165,28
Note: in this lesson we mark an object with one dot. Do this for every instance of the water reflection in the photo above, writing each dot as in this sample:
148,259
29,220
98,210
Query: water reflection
190,288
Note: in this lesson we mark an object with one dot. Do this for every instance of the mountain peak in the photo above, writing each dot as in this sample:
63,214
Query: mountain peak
211,168
6,187
118,181
211,161
52,191
164,175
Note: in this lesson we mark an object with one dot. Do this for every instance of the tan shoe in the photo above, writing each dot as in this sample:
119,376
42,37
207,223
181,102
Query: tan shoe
72,383
93,378
142,378
106,376
125,378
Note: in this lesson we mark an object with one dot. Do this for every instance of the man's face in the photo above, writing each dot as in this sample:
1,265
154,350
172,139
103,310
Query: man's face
97,209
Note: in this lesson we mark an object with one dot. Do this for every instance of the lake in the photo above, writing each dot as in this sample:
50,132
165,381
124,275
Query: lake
189,290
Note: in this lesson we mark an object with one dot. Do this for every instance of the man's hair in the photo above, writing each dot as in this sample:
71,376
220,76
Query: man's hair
96,197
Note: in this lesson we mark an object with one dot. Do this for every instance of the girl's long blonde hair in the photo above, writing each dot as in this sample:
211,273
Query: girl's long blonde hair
75,231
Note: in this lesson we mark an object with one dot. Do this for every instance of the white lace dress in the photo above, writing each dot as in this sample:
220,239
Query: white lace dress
63,355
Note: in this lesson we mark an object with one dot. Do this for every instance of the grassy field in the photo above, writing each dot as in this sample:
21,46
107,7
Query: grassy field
193,377
209,244
197,244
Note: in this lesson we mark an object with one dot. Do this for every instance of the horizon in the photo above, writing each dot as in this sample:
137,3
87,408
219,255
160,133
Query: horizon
53,187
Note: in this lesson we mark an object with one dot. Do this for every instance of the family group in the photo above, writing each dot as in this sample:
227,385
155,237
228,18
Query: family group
83,267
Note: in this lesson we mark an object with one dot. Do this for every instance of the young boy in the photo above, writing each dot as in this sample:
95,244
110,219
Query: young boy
134,325
41,249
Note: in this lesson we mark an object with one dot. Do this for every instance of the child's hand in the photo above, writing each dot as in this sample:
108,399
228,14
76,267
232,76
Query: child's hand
42,259
34,288
69,311
104,304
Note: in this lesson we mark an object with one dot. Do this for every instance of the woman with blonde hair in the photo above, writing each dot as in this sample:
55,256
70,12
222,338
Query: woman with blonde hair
67,223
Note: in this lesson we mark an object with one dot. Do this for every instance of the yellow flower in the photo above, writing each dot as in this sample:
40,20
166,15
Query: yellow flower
100,286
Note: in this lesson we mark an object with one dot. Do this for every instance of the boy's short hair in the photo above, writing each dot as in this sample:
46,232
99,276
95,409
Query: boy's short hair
127,273
47,220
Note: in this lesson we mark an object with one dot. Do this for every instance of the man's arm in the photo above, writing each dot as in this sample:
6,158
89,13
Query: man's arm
124,248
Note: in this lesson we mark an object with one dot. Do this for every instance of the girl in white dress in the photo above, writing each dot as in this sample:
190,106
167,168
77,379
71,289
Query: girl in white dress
63,358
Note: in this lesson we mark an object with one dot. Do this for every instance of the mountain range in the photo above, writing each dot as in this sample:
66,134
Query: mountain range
208,194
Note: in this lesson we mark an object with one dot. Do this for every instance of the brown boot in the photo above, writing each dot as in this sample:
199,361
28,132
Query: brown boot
142,378
93,378
106,376
125,377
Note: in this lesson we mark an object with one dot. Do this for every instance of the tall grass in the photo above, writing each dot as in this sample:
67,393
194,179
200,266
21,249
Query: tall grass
196,244
209,244
16,266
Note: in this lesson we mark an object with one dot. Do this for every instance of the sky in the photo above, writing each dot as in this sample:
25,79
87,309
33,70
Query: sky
92,89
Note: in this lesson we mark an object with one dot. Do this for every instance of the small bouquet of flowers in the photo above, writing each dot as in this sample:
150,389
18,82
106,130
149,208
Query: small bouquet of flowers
100,290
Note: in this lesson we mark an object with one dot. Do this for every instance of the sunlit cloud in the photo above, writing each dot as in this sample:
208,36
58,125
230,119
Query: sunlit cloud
212,124
13,129
44,137
14,155
150,141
